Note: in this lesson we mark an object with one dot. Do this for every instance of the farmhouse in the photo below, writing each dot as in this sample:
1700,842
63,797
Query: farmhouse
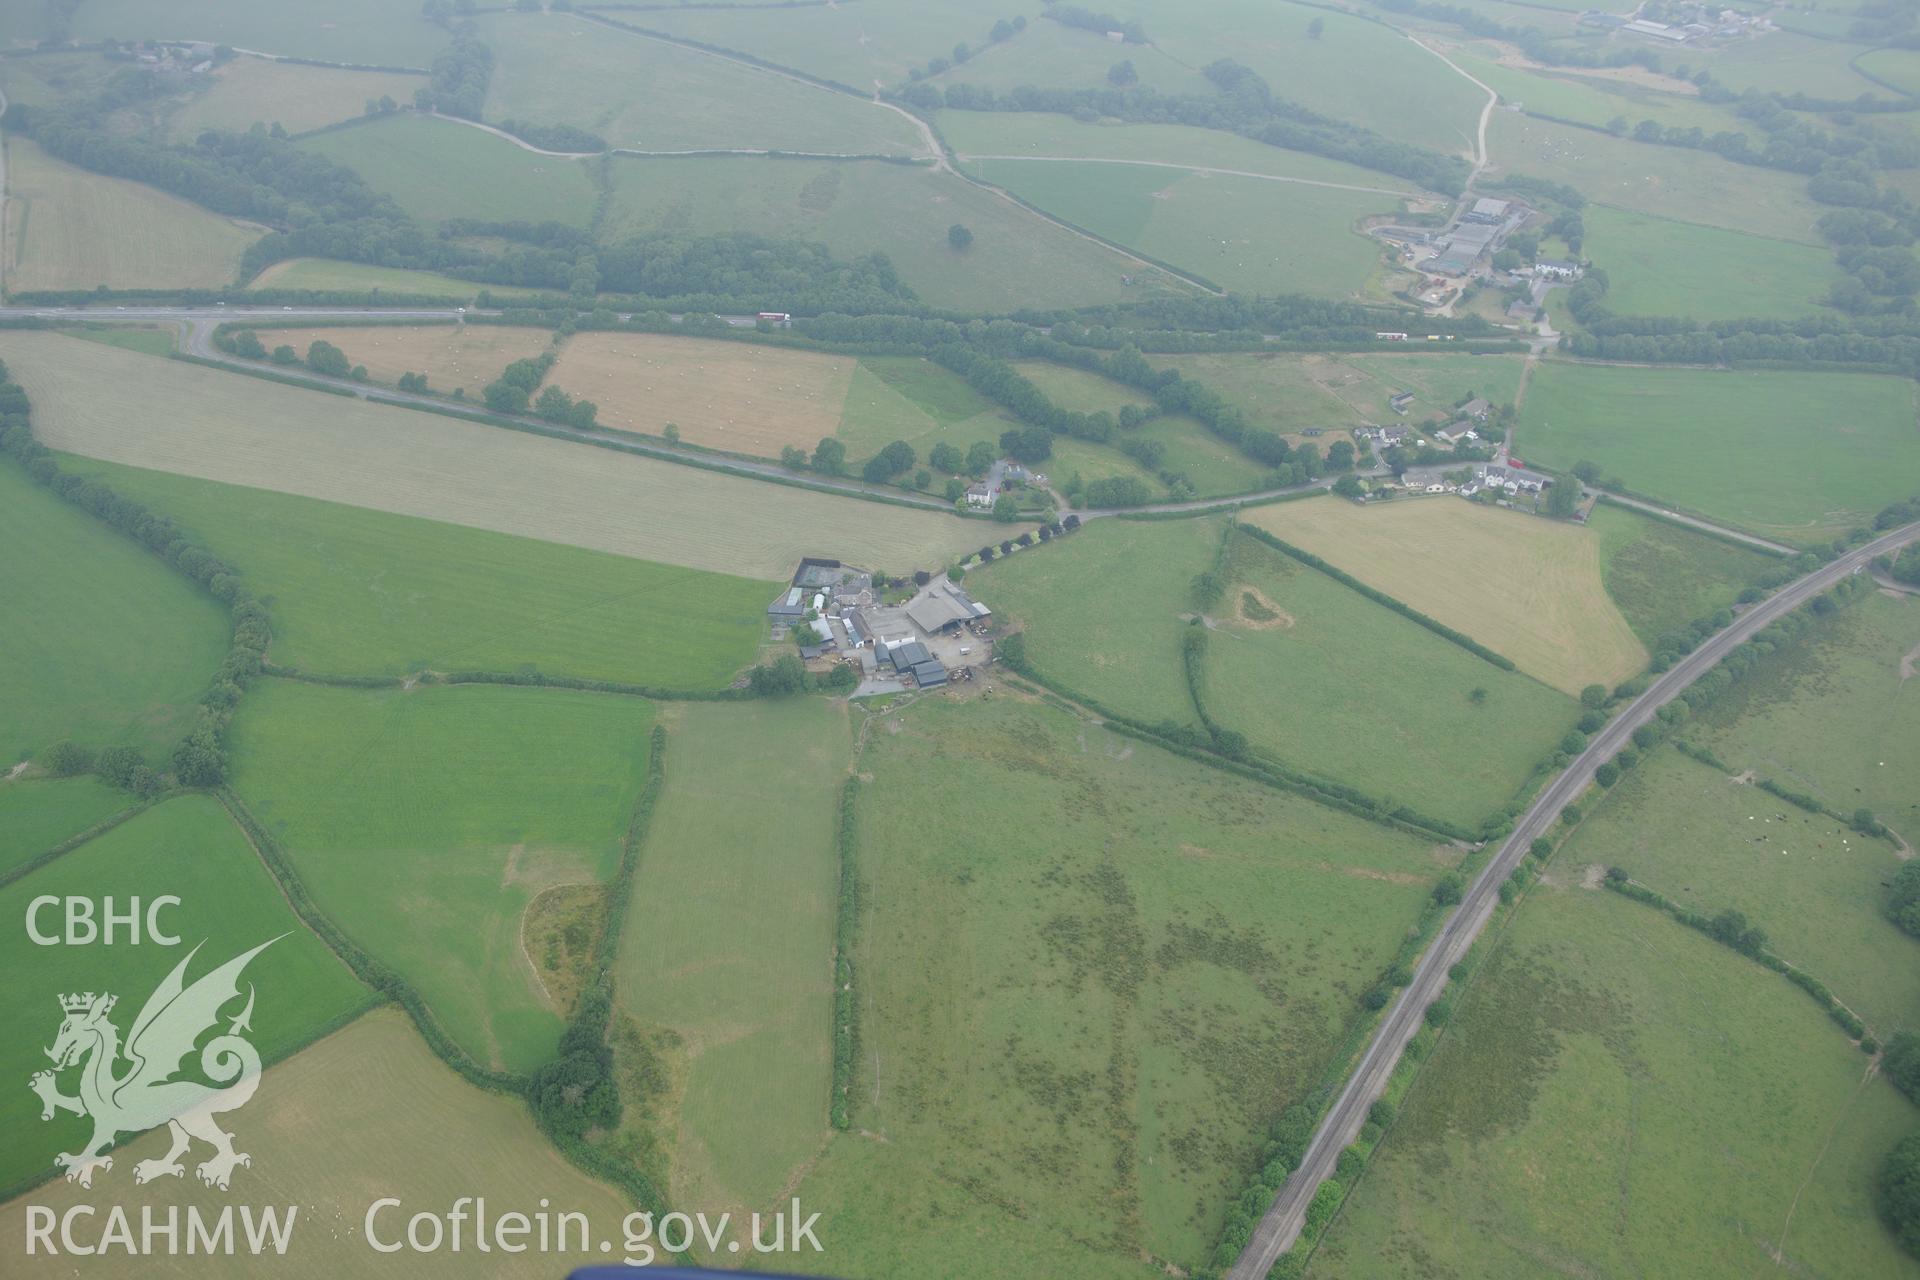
1477,408
979,495
1557,269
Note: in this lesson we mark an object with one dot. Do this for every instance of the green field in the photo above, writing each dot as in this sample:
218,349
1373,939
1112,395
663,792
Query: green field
860,46
1709,843
437,169
294,96
1359,70
361,277
1043,136
70,229
423,823
1074,1030
1596,101
70,665
1620,1096
1833,713
1103,611
38,813
51,77
189,848
1289,682
1250,235
367,31
1062,57
729,941
913,399
655,96
1668,182
1790,63
1660,268
1795,455
363,592
855,208
1896,66
1665,577
1289,392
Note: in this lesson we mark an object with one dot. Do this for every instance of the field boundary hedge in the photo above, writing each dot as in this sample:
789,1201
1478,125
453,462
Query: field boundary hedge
1405,610
1843,1017
73,842
1610,494
846,1007
1799,799
375,973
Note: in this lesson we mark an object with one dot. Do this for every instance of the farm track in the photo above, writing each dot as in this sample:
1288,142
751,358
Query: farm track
1206,169
1283,1221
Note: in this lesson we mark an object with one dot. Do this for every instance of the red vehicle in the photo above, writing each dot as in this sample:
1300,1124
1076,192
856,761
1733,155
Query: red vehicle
775,317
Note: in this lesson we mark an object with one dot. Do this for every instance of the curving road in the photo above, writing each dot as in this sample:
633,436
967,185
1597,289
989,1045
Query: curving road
1281,1225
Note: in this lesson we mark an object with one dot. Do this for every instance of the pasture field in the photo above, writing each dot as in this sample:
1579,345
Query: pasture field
364,1114
191,848
1656,267
1045,136
1246,234
153,342
181,418
1665,577
361,277
861,48
855,208
1620,1096
1291,647
1288,392
297,97
913,399
70,666
46,78
438,169
1528,588
729,942
1359,70
1079,390
1073,1031
1117,644
67,228
1062,57
1213,465
724,395
1791,63
1895,66
1834,713
1594,101
1666,182
362,592
1710,842
654,96
37,813
424,821
1735,446
365,31
451,355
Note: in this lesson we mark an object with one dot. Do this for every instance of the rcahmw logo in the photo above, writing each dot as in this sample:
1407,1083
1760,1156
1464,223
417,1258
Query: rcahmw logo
147,1093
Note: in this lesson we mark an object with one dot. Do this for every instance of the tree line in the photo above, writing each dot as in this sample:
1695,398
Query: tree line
1246,105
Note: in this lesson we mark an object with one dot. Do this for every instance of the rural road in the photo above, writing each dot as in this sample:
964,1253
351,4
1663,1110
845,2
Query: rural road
1197,168
200,322
1778,548
1281,1225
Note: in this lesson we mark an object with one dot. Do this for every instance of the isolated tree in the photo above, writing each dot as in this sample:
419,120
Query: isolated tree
1478,695
247,343
671,433
1316,29
830,457
1123,74
1002,32
922,478
324,357
1449,888
980,456
1005,509
284,354
959,237
921,577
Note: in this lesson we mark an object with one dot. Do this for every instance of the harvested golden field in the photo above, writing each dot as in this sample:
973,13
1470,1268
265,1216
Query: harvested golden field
721,395
67,228
451,355
1523,586
168,415
248,90
350,1120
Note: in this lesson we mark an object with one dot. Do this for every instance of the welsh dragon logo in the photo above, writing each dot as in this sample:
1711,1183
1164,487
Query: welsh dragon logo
147,1094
